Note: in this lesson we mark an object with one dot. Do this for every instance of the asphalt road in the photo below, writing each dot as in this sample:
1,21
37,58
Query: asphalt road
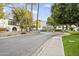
23,45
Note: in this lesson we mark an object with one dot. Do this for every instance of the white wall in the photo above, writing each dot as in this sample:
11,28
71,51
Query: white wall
3,23
42,24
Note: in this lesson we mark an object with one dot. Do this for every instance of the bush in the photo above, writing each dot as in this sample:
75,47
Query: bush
2,29
23,32
73,32
58,30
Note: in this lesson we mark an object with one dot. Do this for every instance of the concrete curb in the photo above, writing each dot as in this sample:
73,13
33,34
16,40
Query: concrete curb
14,35
9,36
40,49
44,49
62,45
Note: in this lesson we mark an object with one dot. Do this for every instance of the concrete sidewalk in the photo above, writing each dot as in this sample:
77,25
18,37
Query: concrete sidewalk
5,34
12,34
53,47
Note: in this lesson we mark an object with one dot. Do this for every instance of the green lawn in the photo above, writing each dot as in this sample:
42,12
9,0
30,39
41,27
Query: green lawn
71,45
74,32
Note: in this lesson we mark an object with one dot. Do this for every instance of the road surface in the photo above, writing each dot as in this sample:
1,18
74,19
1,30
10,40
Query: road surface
23,45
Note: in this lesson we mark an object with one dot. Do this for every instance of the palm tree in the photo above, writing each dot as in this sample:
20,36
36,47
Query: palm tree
30,28
31,4
37,16
31,8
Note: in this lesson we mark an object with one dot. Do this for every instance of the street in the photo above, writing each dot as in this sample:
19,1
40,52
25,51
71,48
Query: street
23,45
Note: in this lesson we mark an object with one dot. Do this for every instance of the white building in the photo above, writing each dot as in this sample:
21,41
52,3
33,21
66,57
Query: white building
4,23
42,24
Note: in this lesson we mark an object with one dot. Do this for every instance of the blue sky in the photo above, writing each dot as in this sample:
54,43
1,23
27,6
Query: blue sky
44,10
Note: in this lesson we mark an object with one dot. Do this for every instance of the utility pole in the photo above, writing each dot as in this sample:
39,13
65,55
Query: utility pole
37,16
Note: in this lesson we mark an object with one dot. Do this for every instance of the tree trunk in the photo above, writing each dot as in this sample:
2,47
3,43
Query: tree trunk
31,24
21,29
62,27
54,27
70,27
66,27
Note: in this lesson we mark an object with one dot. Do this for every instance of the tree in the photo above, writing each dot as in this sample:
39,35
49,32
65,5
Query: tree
21,14
65,13
51,22
32,13
1,10
58,13
22,17
31,8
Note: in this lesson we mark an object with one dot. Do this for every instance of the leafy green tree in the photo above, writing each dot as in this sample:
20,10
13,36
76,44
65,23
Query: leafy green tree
51,22
31,9
65,13
32,4
22,17
1,10
19,13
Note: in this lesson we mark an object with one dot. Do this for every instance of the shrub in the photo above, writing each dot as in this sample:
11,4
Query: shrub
2,29
58,30
23,32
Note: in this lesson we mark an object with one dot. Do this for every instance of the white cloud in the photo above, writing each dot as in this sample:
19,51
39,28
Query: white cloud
47,5
34,11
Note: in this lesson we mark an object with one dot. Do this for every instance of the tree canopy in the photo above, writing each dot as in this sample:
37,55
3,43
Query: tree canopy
22,17
1,10
65,13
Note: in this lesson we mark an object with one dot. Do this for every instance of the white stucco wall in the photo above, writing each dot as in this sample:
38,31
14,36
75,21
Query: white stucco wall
4,24
42,24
